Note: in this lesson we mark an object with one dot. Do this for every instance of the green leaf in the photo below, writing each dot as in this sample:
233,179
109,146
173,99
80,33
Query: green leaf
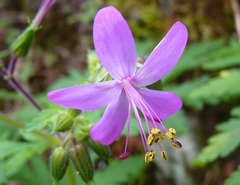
235,111
120,171
38,170
8,132
45,117
221,144
234,178
225,57
74,77
7,95
223,87
184,90
14,155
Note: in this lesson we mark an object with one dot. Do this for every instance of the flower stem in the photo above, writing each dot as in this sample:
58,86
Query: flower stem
12,63
22,90
51,139
8,75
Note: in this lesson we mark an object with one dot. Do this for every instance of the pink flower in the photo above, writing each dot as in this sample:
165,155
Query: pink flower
114,45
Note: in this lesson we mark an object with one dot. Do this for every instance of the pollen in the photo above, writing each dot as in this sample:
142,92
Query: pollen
169,135
149,156
164,155
155,131
150,139
158,138
172,130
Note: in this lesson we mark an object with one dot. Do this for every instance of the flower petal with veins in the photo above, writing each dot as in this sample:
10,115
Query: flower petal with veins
112,122
88,96
164,57
115,47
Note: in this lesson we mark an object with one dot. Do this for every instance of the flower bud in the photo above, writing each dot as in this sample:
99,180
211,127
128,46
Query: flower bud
63,123
82,162
23,42
58,163
101,150
74,112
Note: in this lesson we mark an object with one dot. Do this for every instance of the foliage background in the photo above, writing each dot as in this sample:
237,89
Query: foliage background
206,78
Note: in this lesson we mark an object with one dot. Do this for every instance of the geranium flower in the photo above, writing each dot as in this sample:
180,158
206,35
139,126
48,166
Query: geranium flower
114,45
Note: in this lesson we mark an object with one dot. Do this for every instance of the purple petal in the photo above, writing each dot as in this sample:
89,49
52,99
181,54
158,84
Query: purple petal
112,122
164,57
88,96
114,43
163,103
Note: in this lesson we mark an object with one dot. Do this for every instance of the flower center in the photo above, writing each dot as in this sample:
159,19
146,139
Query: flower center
155,127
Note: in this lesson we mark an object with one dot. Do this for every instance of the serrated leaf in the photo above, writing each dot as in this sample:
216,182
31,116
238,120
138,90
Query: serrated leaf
44,118
225,57
234,178
221,144
222,87
184,90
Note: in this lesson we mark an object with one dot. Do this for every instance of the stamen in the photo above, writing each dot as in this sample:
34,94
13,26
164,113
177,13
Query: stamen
125,155
142,133
149,156
164,155
150,139
128,127
170,134
158,138
140,102
176,144
172,130
155,131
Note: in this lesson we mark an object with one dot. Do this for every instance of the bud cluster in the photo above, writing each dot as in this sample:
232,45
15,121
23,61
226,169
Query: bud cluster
79,157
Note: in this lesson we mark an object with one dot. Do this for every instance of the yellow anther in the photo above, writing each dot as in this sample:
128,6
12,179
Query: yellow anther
149,156
176,144
172,130
155,131
164,155
150,139
158,138
169,135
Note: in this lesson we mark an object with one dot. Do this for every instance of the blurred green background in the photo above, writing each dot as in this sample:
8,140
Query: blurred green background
207,79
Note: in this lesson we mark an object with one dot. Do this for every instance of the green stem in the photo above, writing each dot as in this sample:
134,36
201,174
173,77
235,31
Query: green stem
71,176
51,139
